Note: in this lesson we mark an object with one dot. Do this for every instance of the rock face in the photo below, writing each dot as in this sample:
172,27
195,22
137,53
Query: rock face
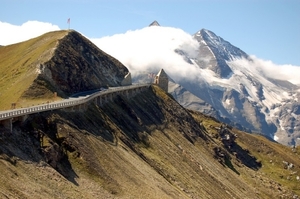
213,53
127,80
241,93
78,65
154,23
189,100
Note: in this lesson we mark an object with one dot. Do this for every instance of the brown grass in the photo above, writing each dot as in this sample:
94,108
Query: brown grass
19,65
273,174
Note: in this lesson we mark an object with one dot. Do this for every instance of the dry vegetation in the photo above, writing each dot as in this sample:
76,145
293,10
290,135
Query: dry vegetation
54,66
144,147
280,169
20,64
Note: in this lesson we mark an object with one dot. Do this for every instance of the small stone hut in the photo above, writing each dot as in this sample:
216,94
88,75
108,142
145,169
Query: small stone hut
162,80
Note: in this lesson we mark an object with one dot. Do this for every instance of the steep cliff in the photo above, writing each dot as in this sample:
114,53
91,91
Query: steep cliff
78,65
241,90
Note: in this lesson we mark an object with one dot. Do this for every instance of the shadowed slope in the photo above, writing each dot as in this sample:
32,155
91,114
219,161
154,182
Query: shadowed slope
144,147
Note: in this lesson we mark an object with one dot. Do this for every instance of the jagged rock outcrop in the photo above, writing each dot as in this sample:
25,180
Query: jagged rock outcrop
189,100
213,53
127,80
154,23
78,65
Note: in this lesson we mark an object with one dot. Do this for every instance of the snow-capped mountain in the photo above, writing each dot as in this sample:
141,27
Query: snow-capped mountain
211,75
214,52
235,85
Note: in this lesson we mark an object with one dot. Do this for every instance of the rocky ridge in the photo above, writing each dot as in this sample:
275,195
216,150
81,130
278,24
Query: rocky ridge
240,92
214,52
78,65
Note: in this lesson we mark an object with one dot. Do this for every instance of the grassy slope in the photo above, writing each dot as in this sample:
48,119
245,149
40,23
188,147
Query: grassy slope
273,177
145,147
19,64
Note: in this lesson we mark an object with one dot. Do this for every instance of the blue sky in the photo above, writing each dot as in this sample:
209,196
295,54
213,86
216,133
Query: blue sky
269,29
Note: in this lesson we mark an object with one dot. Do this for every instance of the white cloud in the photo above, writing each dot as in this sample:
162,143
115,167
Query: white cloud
152,48
10,34
269,69
283,72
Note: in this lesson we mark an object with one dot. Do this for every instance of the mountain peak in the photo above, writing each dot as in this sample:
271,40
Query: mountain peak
223,47
219,51
154,23
206,31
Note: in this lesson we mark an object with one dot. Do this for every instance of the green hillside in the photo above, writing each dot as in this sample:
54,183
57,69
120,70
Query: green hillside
19,66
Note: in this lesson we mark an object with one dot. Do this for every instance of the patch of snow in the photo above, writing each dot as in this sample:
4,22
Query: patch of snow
211,52
227,101
275,138
271,98
294,115
280,125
